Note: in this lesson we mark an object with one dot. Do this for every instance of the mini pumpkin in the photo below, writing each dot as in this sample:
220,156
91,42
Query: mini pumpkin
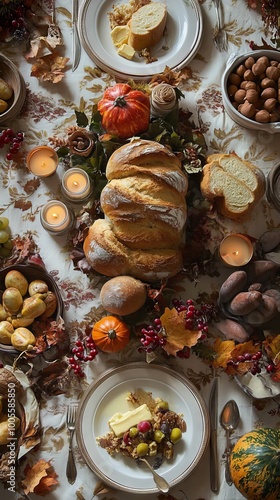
125,112
255,464
111,334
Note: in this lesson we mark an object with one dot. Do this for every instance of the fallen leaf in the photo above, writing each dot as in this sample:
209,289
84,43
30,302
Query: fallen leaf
39,478
223,349
50,68
177,336
272,347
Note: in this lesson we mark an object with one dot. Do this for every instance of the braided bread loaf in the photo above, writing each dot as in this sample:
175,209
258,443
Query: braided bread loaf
145,214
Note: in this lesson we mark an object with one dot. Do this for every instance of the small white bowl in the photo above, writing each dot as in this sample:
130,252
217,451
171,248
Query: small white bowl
10,73
233,62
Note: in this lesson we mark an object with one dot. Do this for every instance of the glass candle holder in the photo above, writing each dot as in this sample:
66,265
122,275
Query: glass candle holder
236,250
42,161
56,218
76,185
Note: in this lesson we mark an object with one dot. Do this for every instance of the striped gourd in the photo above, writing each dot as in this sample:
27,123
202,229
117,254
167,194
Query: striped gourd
255,464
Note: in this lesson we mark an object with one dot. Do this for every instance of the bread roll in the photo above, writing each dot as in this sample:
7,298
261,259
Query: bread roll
234,185
123,295
147,25
145,214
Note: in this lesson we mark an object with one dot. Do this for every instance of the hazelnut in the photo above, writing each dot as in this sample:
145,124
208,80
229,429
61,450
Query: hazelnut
274,63
241,70
249,62
247,109
269,93
250,85
232,89
272,72
262,116
270,104
268,82
258,68
243,84
239,96
264,60
249,75
274,116
235,79
251,95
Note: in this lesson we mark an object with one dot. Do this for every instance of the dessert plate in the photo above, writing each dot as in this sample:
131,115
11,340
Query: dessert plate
175,50
107,395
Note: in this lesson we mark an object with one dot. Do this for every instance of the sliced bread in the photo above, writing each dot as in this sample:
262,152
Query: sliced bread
147,25
234,185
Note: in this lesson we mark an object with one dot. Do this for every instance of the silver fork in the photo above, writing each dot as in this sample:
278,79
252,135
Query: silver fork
71,471
220,35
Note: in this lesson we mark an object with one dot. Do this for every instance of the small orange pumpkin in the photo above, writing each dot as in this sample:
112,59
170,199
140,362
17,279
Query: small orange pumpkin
111,334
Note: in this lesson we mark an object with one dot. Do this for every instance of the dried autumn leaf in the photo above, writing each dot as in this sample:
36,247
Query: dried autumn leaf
50,68
39,478
272,347
101,489
176,335
275,376
223,349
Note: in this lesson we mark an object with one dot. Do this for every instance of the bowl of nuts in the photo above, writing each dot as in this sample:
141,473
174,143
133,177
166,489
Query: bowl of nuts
251,90
12,90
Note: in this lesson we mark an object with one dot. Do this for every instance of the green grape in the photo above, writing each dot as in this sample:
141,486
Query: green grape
8,244
4,252
4,236
4,222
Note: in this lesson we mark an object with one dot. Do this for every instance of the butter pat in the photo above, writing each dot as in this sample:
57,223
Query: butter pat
126,51
121,423
119,35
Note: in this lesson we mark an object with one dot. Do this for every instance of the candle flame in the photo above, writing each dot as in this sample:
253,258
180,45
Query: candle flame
43,164
236,252
75,183
54,215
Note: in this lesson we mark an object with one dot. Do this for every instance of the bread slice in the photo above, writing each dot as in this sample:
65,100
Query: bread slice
147,25
234,185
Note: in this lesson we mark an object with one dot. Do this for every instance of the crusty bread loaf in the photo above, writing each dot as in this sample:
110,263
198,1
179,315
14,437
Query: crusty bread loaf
123,295
108,256
234,185
147,25
145,208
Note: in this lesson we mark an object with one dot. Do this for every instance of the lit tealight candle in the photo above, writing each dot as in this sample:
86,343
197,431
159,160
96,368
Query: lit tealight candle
236,250
76,185
56,218
42,161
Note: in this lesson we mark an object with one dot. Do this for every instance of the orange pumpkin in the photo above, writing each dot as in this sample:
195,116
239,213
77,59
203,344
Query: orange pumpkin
111,334
125,112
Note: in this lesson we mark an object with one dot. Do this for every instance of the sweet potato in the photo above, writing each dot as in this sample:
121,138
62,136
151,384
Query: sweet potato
232,330
235,283
262,270
245,302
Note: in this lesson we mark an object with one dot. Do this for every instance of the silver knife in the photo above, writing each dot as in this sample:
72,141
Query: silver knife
76,44
213,406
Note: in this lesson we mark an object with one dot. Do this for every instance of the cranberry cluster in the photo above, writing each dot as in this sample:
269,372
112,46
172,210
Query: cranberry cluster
84,350
8,136
258,362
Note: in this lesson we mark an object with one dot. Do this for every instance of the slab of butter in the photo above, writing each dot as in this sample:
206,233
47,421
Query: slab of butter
119,35
120,423
126,51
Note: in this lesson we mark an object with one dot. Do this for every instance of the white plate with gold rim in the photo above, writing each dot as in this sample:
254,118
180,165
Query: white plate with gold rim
107,395
176,49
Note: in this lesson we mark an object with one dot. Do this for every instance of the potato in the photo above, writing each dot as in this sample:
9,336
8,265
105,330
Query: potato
262,270
232,330
22,338
33,307
234,284
37,286
17,280
13,423
6,90
245,302
3,106
6,330
12,300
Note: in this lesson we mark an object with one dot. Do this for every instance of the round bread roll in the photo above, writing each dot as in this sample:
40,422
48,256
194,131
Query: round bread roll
123,295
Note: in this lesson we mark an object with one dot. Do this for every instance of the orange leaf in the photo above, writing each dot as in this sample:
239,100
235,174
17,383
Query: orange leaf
245,347
272,348
39,478
176,335
223,349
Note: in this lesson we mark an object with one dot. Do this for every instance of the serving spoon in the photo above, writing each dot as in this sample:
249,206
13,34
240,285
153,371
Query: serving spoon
229,420
161,483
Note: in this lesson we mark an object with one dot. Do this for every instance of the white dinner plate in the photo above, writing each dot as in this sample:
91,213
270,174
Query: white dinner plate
107,395
183,37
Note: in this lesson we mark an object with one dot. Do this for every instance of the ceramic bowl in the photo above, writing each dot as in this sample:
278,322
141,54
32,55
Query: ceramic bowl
233,63
32,273
11,75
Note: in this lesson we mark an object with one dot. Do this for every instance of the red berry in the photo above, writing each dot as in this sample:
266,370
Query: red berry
144,426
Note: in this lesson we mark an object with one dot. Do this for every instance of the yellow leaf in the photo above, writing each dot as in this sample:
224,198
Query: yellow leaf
223,349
